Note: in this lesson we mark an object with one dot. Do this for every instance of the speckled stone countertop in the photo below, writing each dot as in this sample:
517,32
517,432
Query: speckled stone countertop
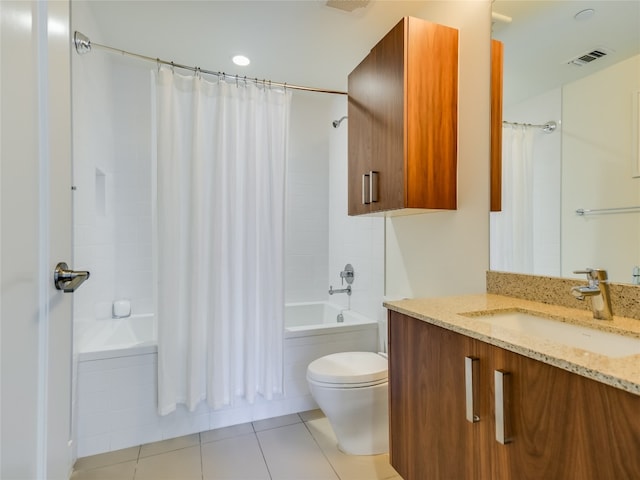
456,313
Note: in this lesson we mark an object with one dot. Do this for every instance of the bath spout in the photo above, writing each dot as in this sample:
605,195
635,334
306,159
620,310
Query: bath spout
340,290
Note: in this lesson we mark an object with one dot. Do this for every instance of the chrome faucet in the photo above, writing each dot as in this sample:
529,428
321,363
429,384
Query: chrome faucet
347,274
598,290
340,290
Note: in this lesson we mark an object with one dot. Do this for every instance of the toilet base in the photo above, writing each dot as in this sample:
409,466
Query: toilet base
359,417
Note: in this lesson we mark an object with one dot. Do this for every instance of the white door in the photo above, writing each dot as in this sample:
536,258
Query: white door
35,234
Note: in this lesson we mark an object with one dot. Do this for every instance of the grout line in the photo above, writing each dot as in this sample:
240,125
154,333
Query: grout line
264,459
201,462
321,450
135,470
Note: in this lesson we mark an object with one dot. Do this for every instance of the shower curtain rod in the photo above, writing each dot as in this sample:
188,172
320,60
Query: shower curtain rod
548,127
83,45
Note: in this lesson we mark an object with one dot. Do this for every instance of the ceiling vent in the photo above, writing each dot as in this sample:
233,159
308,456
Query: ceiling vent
590,56
347,5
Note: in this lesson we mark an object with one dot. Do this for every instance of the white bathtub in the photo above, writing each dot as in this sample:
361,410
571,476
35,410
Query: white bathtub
116,397
321,318
98,339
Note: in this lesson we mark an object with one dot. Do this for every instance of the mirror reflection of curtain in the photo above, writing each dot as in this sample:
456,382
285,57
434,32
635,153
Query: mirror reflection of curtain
220,167
512,228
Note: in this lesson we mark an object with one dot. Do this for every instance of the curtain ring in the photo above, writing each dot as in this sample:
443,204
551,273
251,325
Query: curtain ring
158,64
172,68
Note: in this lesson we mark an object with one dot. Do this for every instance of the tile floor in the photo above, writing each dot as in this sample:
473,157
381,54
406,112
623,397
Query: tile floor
292,447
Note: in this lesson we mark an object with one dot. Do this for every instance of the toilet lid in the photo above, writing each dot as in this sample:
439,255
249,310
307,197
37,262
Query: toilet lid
349,368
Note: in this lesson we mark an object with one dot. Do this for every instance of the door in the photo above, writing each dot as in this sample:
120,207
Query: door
360,126
35,204
427,402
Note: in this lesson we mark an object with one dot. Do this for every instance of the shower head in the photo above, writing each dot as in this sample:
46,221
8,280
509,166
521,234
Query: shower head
336,123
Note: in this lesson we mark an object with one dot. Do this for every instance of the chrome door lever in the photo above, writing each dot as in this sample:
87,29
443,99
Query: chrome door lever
68,280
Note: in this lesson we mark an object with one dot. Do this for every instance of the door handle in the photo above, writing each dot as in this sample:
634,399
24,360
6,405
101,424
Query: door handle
68,280
471,366
502,380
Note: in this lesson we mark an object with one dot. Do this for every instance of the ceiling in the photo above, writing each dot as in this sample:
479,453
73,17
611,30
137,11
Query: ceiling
298,42
544,35
305,42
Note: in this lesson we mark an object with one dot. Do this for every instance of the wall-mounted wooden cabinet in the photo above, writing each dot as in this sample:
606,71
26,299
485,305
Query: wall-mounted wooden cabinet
403,121
497,61
556,424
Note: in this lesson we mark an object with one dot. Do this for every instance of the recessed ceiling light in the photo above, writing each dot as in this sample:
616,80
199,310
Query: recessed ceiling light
584,14
241,60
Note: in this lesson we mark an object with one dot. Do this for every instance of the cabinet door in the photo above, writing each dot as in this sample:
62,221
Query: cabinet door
360,123
430,436
387,107
564,426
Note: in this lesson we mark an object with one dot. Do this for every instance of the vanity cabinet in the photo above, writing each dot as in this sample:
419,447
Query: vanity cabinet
403,113
557,424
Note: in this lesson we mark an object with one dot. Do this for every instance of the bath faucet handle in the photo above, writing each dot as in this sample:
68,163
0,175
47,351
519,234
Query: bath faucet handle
347,274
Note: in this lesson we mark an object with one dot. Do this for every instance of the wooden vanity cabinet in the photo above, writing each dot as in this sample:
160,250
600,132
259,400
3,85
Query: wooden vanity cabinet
403,109
559,425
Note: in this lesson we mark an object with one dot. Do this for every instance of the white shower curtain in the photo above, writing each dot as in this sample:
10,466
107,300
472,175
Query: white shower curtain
512,228
219,218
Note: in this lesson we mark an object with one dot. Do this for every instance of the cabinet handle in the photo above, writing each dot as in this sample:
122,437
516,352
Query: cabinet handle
366,188
502,380
471,366
373,186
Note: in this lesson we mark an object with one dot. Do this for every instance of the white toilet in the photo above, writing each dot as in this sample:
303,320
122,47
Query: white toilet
351,389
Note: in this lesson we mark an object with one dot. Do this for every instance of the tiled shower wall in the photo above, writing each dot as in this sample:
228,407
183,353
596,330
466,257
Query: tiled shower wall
111,175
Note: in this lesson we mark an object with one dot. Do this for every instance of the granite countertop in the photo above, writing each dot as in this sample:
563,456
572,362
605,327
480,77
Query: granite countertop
456,313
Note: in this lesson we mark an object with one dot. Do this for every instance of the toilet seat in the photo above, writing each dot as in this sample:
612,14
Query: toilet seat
349,370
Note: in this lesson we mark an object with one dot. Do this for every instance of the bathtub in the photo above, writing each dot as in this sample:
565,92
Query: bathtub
116,392
135,335
321,318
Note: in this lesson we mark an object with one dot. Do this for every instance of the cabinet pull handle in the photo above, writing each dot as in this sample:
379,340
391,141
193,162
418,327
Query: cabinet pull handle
502,380
471,366
366,188
373,186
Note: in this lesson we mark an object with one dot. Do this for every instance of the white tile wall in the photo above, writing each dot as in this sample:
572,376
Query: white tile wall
112,175
355,240
306,247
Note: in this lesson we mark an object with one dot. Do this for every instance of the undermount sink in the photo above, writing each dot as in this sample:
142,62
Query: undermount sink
585,338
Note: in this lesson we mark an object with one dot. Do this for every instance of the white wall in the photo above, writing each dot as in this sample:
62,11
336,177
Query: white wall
355,240
307,214
447,253
546,180
321,237
111,173
597,155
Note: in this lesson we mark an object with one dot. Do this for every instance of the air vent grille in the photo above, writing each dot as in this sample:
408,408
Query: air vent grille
589,57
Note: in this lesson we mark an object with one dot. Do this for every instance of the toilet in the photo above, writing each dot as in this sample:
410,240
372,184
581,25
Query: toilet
351,389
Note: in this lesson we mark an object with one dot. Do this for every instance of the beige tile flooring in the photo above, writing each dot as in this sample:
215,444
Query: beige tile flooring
292,447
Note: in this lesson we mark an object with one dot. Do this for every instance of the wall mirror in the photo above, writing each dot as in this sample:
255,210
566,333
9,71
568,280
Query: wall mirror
570,195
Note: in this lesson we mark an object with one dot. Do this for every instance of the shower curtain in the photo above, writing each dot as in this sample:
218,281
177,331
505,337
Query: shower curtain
219,220
511,230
